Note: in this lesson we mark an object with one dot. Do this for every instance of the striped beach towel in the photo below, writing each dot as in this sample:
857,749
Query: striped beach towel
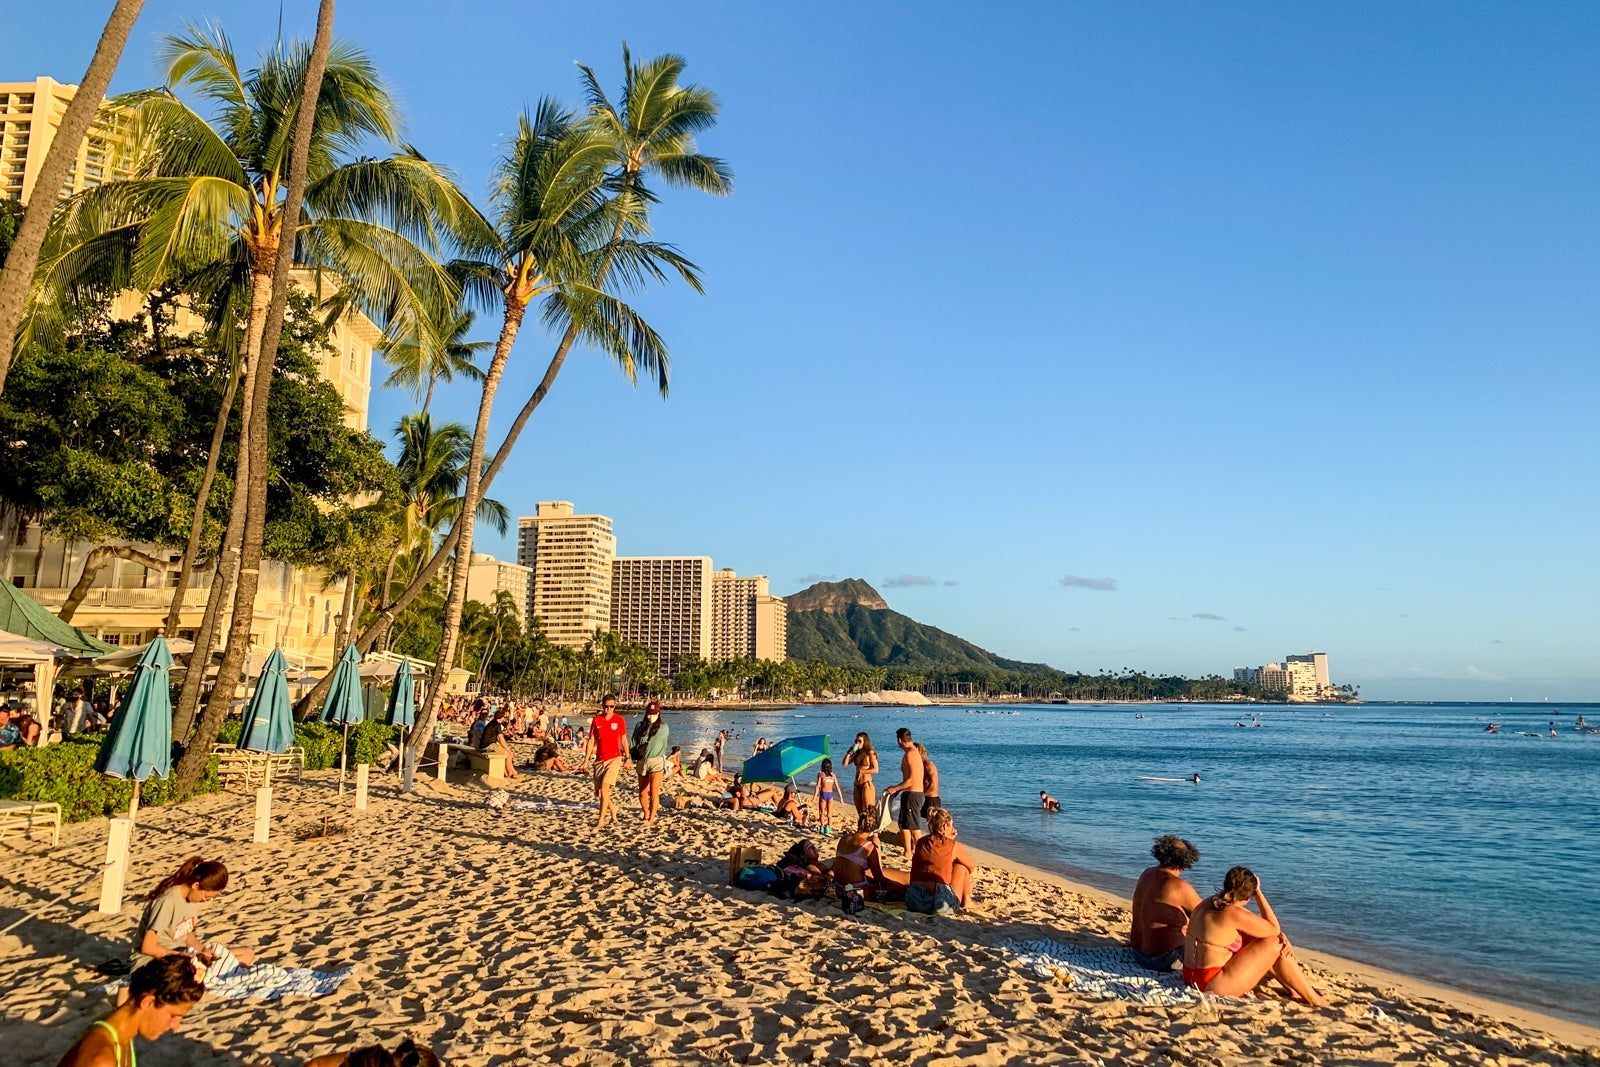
1107,972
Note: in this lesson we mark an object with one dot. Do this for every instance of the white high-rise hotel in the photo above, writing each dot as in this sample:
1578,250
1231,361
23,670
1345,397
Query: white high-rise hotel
674,605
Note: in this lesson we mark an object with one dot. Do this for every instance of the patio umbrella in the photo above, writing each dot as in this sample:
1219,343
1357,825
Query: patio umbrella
786,758
345,704
139,741
268,721
403,705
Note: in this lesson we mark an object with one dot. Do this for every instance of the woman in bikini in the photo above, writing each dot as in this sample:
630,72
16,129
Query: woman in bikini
858,865
864,758
1230,949
160,994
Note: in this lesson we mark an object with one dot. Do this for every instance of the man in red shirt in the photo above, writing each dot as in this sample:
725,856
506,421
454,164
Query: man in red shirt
608,747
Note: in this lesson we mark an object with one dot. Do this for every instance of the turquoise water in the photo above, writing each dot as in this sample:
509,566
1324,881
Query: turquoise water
1402,835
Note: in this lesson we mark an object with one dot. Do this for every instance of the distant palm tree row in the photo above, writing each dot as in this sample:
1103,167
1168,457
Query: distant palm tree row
240,172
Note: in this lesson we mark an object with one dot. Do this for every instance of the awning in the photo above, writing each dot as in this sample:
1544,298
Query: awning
21,614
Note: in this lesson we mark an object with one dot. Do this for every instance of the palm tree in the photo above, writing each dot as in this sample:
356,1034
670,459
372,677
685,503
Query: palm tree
552,240
23,256
419,364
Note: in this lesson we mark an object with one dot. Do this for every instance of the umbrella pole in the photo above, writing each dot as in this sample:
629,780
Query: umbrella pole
133,805
342,752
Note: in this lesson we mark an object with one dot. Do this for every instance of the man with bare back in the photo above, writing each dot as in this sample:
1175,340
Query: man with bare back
910,789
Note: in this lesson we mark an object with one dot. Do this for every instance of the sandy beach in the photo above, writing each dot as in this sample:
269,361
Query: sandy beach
522,937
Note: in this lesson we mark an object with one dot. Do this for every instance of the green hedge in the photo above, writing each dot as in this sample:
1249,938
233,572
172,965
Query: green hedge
321,742
65,774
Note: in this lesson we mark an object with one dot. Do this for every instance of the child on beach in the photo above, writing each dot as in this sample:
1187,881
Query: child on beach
826,790
173,909
789,807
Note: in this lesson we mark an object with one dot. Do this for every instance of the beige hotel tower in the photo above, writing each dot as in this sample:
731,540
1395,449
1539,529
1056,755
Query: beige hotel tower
569,556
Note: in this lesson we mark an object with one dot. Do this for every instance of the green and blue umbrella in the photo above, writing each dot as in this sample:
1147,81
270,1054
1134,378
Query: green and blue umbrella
786,758
345,704
138,743
268,721
403,708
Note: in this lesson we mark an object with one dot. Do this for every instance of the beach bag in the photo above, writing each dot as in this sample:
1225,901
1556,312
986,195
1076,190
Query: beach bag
757,878
811,887
851,902
740,857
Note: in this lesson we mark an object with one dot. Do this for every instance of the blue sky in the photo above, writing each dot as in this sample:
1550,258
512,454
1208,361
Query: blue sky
1277,325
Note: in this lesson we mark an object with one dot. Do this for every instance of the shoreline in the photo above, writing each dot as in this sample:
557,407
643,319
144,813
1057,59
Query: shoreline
1559,1027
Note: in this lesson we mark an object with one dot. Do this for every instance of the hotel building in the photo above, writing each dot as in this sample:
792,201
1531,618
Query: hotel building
747,622
488,576
570,559
30,114
663,603
1301,676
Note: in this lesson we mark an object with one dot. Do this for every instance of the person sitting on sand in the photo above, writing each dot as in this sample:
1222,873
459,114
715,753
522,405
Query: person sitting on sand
1162,904
548,758
789,806
480,722
160,994
858,864
407,1054
940,882
173,908
675,762
1229,949
1048,802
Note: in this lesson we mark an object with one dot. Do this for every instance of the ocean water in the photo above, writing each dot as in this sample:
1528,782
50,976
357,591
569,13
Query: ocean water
1402,835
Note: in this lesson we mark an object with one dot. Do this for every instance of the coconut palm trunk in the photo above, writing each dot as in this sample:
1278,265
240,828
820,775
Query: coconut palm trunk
24,254
255,436
202,499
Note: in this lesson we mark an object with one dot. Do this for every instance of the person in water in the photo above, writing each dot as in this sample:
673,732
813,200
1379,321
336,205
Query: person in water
1048,802
1195,778
1229,950
160,994
1162,904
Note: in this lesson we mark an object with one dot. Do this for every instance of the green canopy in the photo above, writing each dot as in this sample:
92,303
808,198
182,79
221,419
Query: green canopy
21,614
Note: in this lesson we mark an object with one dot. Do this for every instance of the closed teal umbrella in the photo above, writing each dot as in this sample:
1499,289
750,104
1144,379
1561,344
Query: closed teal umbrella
268,720
345,704
138,743
403,707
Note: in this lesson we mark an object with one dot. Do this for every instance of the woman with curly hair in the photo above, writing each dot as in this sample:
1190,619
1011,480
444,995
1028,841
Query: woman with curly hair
1229,949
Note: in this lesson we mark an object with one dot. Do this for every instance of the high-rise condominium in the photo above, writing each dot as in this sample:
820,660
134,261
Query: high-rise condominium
570,557
489,576
747,622
30,113
663,603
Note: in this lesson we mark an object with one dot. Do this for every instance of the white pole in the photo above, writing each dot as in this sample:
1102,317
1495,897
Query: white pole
114,872
361,786
263,814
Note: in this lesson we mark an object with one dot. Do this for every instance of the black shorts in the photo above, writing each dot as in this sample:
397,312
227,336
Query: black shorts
911,811
928,804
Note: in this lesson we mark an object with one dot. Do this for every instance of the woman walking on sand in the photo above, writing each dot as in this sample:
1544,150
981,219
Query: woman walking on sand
650,756
864,758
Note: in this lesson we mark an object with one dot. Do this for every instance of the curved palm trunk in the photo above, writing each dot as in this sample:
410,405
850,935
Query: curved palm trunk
24,254
388,612
227,571
383,597
255,439
346,611
202,499
467,520
427,399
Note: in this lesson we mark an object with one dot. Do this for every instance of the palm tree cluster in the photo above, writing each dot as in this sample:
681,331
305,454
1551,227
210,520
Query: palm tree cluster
244,173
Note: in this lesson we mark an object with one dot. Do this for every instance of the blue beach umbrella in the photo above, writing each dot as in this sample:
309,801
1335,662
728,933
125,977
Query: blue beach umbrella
138,743
268,722
345,704
786,758
403,707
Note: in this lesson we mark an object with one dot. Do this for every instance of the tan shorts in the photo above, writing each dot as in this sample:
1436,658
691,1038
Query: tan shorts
653,765
606,773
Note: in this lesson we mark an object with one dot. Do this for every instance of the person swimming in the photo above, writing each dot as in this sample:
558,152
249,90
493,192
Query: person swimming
1195,778
1048,802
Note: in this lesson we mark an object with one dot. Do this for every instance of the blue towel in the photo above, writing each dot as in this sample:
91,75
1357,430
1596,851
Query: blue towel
1109,972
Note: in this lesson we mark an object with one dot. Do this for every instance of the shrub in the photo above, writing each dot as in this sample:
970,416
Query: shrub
231,731
65,774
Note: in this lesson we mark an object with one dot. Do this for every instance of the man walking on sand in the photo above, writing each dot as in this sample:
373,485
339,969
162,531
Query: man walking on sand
910,788
607,745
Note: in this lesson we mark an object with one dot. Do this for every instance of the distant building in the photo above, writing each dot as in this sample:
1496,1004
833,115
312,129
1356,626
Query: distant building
488,576
1300,676
1247,675
747,621
570,557
1318,664
30,114
1274,679
663,603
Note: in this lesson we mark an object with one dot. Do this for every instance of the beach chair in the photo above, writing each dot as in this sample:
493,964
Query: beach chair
19,818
